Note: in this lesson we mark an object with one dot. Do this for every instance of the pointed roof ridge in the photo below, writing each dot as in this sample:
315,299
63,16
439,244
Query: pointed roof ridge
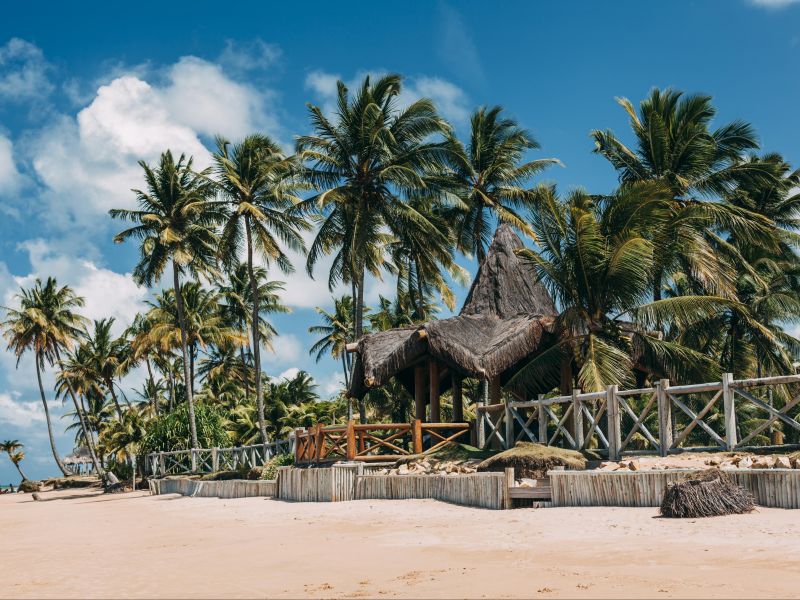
505,286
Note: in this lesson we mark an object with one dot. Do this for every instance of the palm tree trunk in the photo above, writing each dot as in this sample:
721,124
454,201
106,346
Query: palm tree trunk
110,386
19,470
254,325
176,281
347,386
82,418
192,356
57,458
153,400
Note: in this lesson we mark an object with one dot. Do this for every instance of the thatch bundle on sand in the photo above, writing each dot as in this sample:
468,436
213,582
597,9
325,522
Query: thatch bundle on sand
709,494
533,460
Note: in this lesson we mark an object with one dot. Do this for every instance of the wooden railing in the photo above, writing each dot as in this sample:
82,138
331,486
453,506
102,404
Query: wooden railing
374,441
661,419
211,460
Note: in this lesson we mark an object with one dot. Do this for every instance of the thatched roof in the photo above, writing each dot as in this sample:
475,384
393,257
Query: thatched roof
503,320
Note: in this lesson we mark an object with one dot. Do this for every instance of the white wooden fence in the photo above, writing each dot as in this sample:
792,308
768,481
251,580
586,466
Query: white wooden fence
657,419
212,460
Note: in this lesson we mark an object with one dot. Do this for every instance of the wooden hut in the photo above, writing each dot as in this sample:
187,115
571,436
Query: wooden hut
506,319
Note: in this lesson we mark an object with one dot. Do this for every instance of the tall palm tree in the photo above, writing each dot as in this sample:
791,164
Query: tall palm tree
44,323
596,260
175,222
106,355
676,147
366,161
259,183
142,348
14,450
490,177
336,331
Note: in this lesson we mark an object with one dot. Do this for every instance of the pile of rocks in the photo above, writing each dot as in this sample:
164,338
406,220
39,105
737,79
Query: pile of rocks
697,461
432,466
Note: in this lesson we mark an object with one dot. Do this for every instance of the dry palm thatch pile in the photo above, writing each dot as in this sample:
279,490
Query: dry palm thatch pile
710,494
533,460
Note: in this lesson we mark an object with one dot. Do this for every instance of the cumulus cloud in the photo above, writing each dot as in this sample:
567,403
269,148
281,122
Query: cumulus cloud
88,164
451,101
20,413
23,71
288,350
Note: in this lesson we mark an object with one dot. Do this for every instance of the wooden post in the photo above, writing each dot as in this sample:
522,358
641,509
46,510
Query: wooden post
433,391
351,439
162,464
509,471
480,431
614,423
664,416
193,454
542,417
214,459
320,437
416,436
419,392
458,399
577,419
509,433
729,406
494,390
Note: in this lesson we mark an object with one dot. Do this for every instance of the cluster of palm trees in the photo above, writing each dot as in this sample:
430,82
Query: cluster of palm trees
686,269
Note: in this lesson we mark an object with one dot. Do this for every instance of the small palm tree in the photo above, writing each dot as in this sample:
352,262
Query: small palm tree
44,323
175,222
259,183
489,177
14,450
367,162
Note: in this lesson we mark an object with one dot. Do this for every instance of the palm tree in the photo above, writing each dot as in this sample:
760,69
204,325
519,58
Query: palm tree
142,348
365,161
489,177
203,324
44,322
336,331
106,355
14,450
175,221
237,305
596,260
676,147
260,184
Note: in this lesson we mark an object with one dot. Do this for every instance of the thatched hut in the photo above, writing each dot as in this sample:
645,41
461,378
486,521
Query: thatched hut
506,319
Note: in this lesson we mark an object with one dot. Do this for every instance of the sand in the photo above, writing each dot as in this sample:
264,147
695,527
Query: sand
76,543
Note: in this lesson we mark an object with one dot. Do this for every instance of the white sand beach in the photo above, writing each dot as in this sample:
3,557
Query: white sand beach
79,544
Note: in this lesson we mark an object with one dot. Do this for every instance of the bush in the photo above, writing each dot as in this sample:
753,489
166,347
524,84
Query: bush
270,470
171,431
29,486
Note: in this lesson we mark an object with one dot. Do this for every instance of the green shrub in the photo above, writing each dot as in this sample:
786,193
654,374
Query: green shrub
271,468
171,431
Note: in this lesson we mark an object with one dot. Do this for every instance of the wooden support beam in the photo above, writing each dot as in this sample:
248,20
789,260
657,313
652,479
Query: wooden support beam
433,392
416,436
664,416
351,440
614,423
494,390
458,399
419,392
729,407
577,419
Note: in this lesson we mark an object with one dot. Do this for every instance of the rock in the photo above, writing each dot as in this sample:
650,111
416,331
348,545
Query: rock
402,469
745,463
763,462
29,486
634,466
713,462
35,496
782,462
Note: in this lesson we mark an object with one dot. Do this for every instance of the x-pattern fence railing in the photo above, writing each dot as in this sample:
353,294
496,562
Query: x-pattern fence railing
726,415
211,460
374,441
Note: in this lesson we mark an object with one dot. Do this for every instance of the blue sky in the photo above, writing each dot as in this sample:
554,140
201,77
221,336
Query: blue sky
85,93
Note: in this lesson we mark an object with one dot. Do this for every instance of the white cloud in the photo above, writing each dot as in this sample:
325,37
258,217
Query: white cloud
450,100
331,385
288,350
10,179
88,164
201,97
289,373
23,71
20,413
773,3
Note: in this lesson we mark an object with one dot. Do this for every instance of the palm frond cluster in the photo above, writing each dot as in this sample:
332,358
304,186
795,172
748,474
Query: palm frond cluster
687,269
